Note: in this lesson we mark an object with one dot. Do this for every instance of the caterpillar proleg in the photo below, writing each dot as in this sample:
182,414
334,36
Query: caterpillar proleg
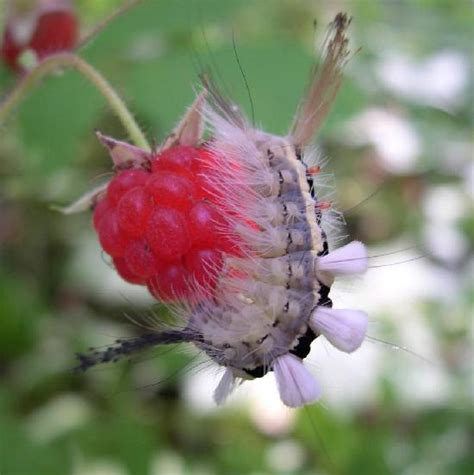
253,293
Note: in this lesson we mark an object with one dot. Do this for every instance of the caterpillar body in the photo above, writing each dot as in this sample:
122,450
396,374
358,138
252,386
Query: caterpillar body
266,299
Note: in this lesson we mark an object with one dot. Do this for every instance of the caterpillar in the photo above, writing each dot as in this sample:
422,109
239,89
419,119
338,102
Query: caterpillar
249,273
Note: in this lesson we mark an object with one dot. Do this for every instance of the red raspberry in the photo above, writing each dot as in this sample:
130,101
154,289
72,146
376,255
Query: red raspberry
124,182
203,265
208,161
10,50
207,189
124,271
100,210
205,223
161,227
133,211
231,244
55,31
140,259
111,237
171,189
180,159
168,234
171,283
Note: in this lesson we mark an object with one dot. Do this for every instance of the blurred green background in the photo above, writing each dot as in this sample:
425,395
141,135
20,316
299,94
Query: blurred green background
399,145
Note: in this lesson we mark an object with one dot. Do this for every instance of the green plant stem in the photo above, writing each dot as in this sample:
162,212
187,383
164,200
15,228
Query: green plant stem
69,60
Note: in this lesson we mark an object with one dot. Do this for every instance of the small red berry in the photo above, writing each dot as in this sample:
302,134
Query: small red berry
180,159
168,234
171,189
111,237
164,227
140,260
207,160
44,28
205,223
124,182
100,210
124,271
203,265
205,181
56,30
171,283
10,50
133,211
209,163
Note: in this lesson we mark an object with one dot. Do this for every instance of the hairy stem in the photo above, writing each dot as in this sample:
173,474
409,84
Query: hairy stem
69,60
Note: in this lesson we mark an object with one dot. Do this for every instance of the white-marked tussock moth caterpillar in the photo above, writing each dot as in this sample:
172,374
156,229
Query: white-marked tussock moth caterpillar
229,229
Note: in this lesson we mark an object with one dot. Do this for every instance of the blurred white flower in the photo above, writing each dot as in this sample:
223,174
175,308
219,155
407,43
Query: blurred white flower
444,206
167,463
260,398
285,456
100,467
396,141
439,81
59,416
469,180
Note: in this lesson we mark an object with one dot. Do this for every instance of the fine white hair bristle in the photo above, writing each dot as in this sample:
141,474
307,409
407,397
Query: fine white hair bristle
296,384
225,387
347,260
344,328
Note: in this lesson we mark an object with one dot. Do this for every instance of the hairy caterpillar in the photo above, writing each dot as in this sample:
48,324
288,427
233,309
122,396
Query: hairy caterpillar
269,297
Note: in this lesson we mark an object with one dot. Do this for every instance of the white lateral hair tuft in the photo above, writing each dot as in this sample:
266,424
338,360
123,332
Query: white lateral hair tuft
344,329
347,260
225,387
296,384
